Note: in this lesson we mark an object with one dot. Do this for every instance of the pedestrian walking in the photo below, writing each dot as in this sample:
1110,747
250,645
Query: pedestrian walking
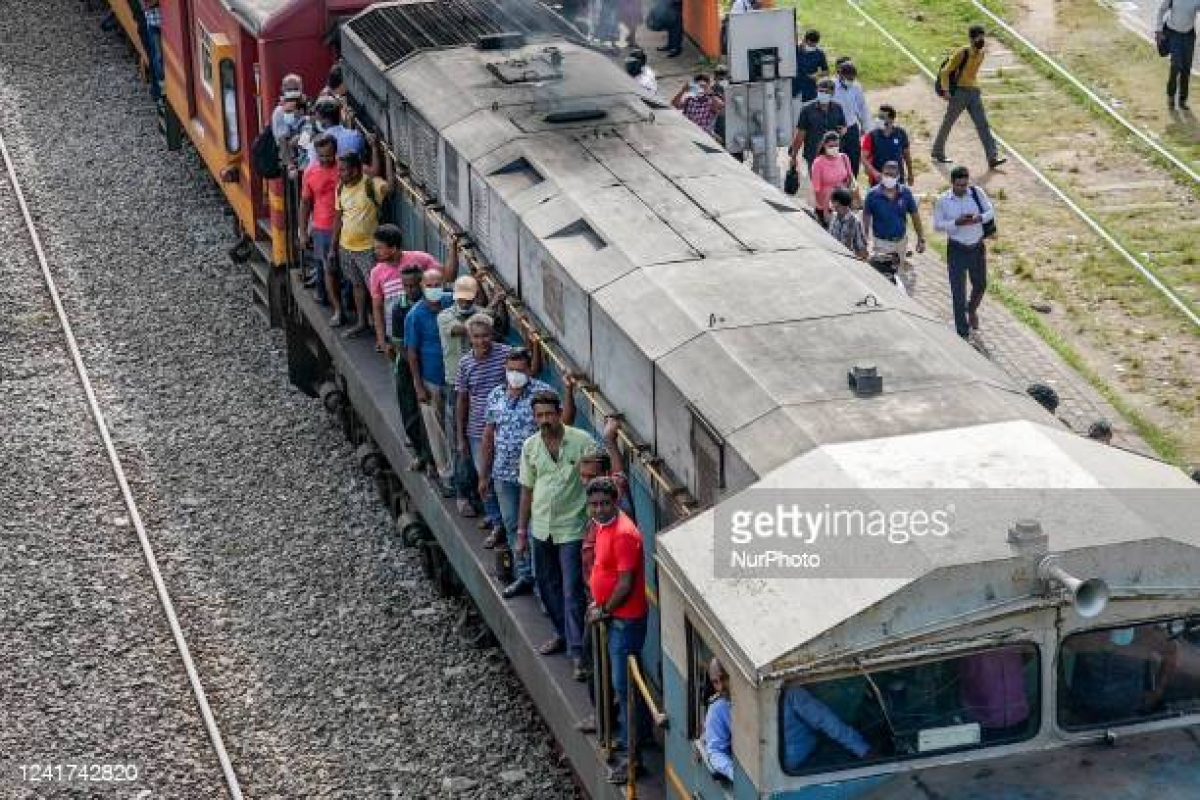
829,171
886,142
848,93
958,85
963,213
822,115
844,225
886,211
1177,35
811,66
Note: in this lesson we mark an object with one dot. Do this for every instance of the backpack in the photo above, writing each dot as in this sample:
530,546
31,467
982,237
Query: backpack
380,214
989,227
264,155
953,77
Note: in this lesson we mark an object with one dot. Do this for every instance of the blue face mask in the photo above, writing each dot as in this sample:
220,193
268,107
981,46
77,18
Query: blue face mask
824,97
433,293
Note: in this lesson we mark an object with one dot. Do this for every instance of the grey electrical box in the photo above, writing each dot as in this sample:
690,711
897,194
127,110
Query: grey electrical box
762,43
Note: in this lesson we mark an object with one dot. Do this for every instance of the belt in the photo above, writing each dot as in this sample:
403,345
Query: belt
893,241
964,245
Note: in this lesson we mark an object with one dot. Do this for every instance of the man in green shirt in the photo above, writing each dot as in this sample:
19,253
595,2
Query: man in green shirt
554,509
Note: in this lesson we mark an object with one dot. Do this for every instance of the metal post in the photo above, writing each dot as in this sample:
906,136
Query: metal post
770,166
631,742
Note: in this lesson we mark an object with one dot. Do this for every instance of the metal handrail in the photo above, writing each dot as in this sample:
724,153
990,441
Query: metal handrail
676,495
636,686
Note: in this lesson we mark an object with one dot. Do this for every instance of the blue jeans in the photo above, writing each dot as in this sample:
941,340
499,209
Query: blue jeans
508,494
625,638
320,245
491,507
558,570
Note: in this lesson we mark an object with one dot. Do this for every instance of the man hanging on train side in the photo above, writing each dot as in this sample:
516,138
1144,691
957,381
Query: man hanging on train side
358,203
553,514
617,581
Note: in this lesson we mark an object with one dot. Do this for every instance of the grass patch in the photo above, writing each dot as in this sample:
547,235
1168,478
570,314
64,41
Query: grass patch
1167,446
845,33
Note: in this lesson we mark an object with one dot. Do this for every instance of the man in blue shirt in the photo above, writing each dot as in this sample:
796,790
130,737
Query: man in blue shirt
886,142
810,65
718,729
508,423
423,347
804,719
886,211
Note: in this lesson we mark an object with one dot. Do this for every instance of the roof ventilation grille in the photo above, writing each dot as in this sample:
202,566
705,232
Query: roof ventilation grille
865,380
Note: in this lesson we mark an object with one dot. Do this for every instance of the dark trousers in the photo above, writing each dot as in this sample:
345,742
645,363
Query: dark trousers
852,147
410,410
558,570
675,30
971,101
626,638
1183,48
965,263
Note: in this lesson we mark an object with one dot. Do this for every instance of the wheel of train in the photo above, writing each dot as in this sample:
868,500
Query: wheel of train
413,529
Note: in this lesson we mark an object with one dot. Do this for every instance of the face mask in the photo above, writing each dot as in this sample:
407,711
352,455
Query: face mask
824,97
289,118
432,293
1122,637
889,181
832,151
465,312
516,379
978,44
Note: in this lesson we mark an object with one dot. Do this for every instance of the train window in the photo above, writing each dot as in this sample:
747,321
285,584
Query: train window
698,688
708,451
1120,676
985,698
229,104
450,165
206,53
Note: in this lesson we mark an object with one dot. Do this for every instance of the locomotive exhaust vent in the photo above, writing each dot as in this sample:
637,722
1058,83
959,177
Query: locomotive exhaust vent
865,381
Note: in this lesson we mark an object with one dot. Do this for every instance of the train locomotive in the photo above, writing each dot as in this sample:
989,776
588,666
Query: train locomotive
745,351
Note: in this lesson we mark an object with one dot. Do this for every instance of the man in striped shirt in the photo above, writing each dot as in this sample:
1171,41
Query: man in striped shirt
480,370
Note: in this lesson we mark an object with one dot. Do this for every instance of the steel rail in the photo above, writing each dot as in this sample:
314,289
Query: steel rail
1177,162
1091,222
114,459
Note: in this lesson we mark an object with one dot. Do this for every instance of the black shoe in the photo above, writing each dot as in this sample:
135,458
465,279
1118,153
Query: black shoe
517,588
942,159
1170,104
581,673
674,53
995,162
664,48
1183,106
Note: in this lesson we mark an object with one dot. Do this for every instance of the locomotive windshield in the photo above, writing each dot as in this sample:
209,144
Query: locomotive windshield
1119,676
981,699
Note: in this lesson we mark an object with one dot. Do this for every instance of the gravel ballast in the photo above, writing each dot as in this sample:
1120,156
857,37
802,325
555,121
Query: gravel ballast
329,662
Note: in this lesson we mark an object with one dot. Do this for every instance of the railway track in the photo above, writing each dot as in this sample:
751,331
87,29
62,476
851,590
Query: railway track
118,471
1112,183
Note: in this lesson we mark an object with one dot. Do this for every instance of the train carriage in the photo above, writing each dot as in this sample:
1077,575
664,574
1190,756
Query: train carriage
743,349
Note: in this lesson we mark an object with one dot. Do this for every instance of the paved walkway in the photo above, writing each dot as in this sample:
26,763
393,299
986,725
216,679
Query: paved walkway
1020,352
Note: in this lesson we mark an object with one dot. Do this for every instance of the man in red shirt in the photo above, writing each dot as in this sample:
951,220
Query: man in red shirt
618,584
317,198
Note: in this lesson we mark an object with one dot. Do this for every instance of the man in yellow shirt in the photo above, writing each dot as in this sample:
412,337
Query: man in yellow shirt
357,202
958,84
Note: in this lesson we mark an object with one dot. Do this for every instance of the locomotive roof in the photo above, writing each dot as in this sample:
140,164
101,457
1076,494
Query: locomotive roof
773,624
261,16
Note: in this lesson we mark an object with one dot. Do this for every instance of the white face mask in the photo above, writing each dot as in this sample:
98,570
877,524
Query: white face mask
433,293
889,181
289,118
824,97
832,150
515,378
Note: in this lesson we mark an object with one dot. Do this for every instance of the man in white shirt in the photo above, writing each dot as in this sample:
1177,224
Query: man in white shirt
849,93
1177,19
961,214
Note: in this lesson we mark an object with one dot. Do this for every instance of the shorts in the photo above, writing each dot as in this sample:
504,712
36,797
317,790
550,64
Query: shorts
355,265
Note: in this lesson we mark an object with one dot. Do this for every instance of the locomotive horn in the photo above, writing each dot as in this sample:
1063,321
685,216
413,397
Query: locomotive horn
1088,596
